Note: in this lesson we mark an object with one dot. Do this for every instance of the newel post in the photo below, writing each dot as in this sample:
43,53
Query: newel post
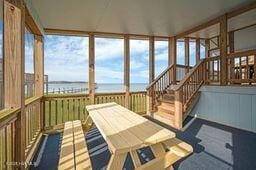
178,109
149,102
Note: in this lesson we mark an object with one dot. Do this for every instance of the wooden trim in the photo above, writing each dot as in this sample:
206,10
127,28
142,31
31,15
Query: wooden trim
32,100
223,50
242,28
197,28
173,46
127,70
197,50
151,59
171,54
207,47
187,55
39,66
91,68
30,22
242,53
34,148
241,10
107,34
231,50
7,116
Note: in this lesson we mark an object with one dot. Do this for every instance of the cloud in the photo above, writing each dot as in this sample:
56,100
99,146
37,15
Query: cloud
66,58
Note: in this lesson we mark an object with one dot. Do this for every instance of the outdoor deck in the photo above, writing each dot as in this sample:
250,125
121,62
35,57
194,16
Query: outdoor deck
215,146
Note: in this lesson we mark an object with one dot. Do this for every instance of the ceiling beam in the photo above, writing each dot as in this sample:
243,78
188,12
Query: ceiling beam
102,34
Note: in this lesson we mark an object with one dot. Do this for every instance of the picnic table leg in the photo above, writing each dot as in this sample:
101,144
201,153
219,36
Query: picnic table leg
159,151
135,159
87,123
116,161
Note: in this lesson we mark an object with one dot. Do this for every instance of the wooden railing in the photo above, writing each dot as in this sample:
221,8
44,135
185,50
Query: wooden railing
242,67
187,90
212,70
8,133
61,108
157,88
65,107
181,71
7,137
138,102
33,123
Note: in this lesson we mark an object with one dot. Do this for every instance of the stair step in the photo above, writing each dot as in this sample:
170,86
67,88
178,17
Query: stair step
171,89
165,115
166,109
165,102
165,118
168,97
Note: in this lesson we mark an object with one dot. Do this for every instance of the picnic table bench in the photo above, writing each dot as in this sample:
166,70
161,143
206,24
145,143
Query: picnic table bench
125,132
74,153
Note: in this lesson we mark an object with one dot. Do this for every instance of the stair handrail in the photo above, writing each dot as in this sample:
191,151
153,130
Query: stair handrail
187,76
183,96
157,88
160,75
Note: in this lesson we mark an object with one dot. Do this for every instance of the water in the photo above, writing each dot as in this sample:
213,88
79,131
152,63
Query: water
101,88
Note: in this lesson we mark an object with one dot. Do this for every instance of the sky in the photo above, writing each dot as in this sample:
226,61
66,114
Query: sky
66,58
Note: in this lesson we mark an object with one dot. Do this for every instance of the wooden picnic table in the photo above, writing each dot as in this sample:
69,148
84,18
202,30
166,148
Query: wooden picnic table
126,131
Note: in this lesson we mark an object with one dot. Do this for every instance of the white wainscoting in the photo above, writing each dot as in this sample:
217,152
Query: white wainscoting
229,105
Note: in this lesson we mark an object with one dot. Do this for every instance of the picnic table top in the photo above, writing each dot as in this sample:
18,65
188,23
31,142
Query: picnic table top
125,130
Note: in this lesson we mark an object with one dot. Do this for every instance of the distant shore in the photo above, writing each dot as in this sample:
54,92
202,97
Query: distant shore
66,82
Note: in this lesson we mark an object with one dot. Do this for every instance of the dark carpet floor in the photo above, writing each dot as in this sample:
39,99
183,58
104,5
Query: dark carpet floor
215,147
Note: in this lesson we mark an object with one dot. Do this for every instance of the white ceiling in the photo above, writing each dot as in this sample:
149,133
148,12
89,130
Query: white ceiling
152,17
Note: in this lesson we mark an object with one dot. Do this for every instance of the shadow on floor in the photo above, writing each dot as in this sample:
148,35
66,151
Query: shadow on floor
215,147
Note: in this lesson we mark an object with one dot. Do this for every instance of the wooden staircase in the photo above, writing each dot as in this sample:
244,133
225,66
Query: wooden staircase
171,103
166,108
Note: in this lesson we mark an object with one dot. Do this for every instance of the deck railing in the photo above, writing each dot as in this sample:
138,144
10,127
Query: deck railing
242,67
7,137
212,70
9,131
65,107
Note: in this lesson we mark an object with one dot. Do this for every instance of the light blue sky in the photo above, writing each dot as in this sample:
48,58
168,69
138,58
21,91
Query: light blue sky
66,58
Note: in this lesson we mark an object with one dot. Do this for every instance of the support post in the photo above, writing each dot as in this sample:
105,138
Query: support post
172,57
91,68
187,54
39,74
207,48
14,95
223,50
39,66
151,73
231,50
151,59
197,50
127,70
